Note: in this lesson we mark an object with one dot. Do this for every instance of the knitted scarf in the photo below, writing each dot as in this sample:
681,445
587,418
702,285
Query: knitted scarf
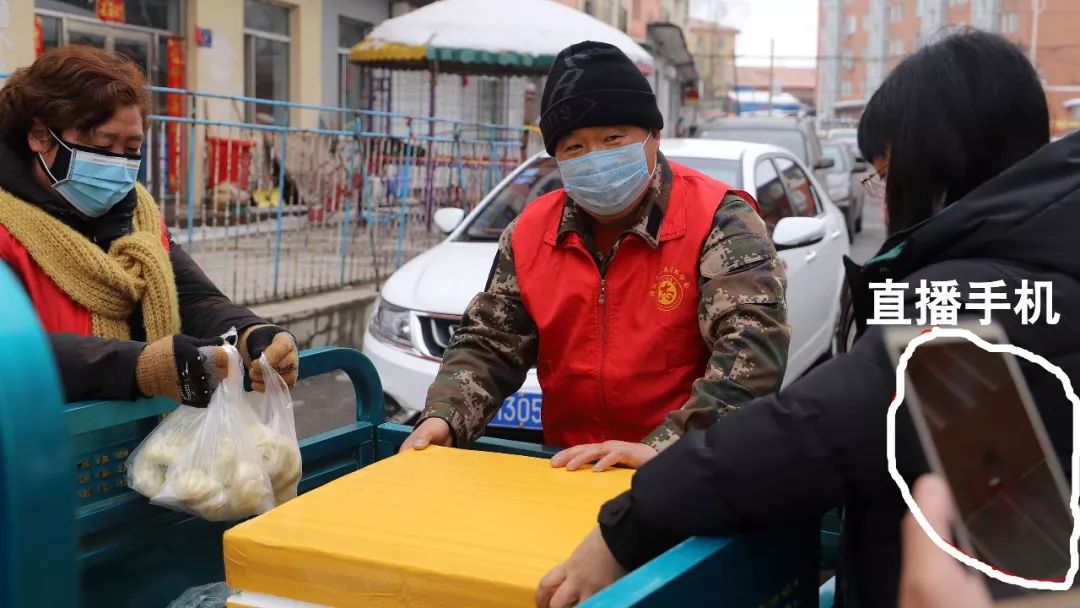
135,271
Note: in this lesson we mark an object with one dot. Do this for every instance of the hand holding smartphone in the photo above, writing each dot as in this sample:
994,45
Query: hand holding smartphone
980,431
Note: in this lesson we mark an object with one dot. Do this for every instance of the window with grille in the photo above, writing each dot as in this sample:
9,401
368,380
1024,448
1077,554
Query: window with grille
1010,23
491,100
266,60
352,88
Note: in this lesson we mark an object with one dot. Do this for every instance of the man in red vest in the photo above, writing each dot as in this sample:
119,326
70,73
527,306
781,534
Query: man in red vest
648,296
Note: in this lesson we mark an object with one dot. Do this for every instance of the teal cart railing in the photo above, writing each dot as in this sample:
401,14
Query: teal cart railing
124,539
37,490
55,460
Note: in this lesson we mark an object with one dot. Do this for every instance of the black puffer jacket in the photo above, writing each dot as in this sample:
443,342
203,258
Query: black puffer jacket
821,442
95,368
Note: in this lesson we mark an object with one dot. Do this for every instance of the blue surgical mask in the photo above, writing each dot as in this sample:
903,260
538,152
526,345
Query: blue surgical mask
607,182
90,180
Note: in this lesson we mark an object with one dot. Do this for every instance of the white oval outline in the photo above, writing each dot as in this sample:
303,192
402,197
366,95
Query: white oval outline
890,440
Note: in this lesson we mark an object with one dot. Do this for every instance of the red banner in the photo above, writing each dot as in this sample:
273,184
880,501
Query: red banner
111,10
39,38
174,79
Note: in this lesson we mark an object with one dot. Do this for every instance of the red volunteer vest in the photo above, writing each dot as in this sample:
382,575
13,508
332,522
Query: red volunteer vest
56,310
617,353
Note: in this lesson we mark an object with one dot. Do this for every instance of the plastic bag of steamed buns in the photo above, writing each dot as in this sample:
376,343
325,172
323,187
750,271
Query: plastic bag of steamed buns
236,458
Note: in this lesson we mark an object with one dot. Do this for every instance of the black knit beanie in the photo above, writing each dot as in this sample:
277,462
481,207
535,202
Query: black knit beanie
594,84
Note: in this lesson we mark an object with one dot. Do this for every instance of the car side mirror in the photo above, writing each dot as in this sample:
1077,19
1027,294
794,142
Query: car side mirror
825,163
448,218
860,166
795,232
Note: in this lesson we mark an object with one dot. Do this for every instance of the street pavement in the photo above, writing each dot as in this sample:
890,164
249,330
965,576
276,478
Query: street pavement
872,236
327,402
244,260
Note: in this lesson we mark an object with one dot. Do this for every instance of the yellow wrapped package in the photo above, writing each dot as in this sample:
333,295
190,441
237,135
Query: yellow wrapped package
437,528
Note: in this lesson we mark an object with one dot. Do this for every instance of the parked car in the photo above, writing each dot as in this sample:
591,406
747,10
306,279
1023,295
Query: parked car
421,304
847,135
796,135
844,183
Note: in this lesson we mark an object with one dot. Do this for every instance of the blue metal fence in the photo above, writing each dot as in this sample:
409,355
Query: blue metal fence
277,199
354,201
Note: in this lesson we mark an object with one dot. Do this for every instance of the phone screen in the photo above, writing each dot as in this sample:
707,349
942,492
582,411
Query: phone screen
1010,504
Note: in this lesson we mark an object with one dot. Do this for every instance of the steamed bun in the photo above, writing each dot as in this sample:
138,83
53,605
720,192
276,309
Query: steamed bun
195,485
146,477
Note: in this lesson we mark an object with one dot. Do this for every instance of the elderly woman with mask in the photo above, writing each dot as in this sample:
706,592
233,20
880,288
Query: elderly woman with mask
128,312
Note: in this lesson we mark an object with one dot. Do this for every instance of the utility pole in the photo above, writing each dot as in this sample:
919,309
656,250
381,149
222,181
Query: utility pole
1037,7
735,82
772,71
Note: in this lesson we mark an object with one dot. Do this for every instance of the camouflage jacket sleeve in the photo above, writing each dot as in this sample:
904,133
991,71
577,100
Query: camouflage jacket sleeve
742,314
489,356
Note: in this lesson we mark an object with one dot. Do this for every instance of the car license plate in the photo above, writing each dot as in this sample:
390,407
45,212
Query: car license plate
520,411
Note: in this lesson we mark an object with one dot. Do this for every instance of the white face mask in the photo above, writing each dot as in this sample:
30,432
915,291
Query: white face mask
607,182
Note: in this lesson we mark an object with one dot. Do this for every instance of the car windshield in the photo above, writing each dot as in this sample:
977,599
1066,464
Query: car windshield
726,171
790,140
537,179
839,155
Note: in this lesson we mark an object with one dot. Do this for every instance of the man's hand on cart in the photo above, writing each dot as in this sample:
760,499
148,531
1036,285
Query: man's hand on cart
431,431
585,573
605,455
931,578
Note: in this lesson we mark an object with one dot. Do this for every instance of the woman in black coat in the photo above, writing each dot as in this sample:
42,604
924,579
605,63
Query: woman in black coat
957,132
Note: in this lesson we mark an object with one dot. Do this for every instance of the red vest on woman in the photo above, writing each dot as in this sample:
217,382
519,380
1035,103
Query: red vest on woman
56,310
618,352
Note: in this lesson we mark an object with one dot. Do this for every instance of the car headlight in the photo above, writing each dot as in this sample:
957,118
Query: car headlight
392,324
838,194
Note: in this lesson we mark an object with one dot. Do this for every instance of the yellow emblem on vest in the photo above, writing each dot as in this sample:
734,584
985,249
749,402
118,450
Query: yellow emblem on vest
668,288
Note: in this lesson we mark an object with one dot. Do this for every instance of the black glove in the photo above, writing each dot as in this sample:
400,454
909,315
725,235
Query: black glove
278,345
182,368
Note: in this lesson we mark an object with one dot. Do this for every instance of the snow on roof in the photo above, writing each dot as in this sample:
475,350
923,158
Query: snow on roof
533,27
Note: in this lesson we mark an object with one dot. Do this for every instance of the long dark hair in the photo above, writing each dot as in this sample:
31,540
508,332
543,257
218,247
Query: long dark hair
951,116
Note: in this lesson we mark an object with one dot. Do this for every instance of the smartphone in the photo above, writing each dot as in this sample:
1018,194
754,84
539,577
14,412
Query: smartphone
979,429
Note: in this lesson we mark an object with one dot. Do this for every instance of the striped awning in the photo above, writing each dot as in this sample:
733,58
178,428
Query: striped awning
377,52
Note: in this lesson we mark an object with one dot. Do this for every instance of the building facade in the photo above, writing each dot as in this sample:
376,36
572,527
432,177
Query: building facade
798,82
296,51
713,47
616,13
644,12
861,40
249,48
